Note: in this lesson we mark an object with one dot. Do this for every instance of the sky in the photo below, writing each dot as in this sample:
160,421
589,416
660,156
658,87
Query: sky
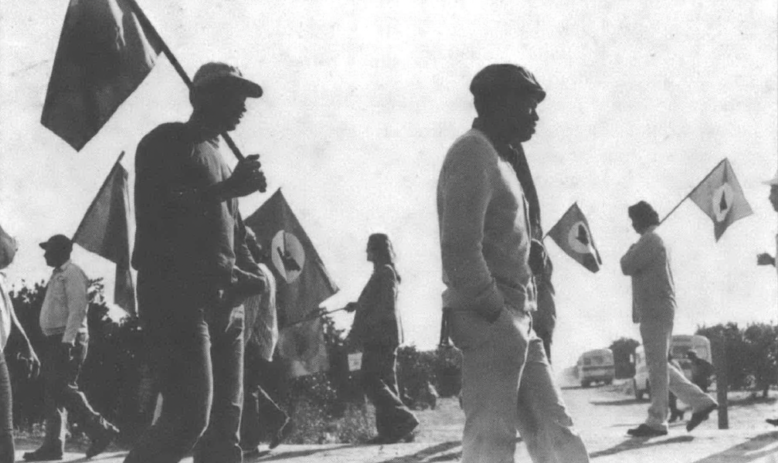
364,97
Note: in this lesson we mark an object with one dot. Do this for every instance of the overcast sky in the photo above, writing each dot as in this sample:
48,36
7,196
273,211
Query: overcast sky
363,98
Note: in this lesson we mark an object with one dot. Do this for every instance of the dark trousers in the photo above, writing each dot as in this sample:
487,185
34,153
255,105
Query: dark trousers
61,396
196,347
258,407
6,415
379,381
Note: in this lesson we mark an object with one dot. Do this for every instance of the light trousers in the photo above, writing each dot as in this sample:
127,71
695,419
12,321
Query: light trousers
508,386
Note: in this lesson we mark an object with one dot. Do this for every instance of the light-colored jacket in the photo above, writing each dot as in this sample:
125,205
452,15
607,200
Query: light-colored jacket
653,290
262,317
484,230
66,303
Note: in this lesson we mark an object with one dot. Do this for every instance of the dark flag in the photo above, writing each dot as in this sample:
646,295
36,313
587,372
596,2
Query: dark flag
573,235
105,230
103,56
303,284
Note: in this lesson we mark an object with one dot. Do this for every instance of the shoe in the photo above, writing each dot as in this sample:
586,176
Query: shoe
400,432
282,433
699,417
102,440
645,430
42,455
773,421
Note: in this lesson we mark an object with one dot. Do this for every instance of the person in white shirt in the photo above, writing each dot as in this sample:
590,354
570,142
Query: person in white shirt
8,321
647,262
63,321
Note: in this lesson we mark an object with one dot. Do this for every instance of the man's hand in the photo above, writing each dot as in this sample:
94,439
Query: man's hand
246,178
351,307
765,259
32,365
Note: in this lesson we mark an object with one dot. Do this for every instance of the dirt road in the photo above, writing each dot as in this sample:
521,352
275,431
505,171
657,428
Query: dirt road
602,415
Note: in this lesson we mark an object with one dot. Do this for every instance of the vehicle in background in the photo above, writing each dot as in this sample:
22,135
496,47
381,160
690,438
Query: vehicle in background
596,366
679,346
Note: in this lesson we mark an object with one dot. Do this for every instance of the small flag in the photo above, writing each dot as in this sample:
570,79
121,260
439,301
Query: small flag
104,54
573,235
303,282
721,198
105,231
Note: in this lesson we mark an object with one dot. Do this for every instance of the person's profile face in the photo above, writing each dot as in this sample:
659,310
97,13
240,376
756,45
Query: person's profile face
521,116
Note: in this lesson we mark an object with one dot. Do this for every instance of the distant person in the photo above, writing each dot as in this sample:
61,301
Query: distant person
186,243
702,370
647,262
8,322
490,297
377,329
675,413
63,322
260,344
765,258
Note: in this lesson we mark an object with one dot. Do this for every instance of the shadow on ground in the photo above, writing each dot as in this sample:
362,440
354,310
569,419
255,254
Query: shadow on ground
264,456
754,449
429,452
638,443
617,402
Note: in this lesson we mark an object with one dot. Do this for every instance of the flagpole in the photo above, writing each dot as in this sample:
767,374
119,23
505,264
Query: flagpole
179,69
693,189
318,315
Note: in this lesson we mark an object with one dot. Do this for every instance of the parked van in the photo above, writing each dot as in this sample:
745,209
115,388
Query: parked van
596,366
679,346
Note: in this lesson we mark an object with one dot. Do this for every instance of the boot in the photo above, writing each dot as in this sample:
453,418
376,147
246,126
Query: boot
101,437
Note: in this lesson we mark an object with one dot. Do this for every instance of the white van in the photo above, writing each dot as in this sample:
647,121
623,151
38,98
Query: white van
679,346
596,366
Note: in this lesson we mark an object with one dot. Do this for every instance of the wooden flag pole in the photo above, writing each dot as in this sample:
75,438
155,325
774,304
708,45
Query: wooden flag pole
693,189
179,69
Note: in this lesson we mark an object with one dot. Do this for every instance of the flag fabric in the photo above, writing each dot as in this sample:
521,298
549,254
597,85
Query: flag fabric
105,231
302,280
573,235
721,198
104,54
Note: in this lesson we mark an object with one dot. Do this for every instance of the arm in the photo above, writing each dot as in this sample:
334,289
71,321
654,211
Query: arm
466,193
765,259
77,302
640,254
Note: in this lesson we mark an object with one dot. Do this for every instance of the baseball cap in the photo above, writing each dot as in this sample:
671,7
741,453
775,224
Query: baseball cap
496,79
57,242
210,73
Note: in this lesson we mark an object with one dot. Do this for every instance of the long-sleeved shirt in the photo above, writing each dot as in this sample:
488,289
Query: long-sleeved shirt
484,230
66,303
192,239
377,321
653,290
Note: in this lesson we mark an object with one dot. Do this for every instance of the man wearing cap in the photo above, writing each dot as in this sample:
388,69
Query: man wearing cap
765,258
188,235
63,322
485,234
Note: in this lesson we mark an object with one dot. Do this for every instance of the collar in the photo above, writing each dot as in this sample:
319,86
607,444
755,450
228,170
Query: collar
61,268
649,229
199,132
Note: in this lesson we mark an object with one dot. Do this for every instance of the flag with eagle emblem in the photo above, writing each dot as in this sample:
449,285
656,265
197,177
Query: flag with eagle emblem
573,235
720,197
303,283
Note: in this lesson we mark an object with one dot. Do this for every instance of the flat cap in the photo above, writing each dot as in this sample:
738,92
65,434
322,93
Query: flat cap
497,79
210,73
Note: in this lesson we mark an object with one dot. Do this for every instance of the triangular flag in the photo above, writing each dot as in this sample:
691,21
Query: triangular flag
104,53
105,230
573,235
721,198
303,282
